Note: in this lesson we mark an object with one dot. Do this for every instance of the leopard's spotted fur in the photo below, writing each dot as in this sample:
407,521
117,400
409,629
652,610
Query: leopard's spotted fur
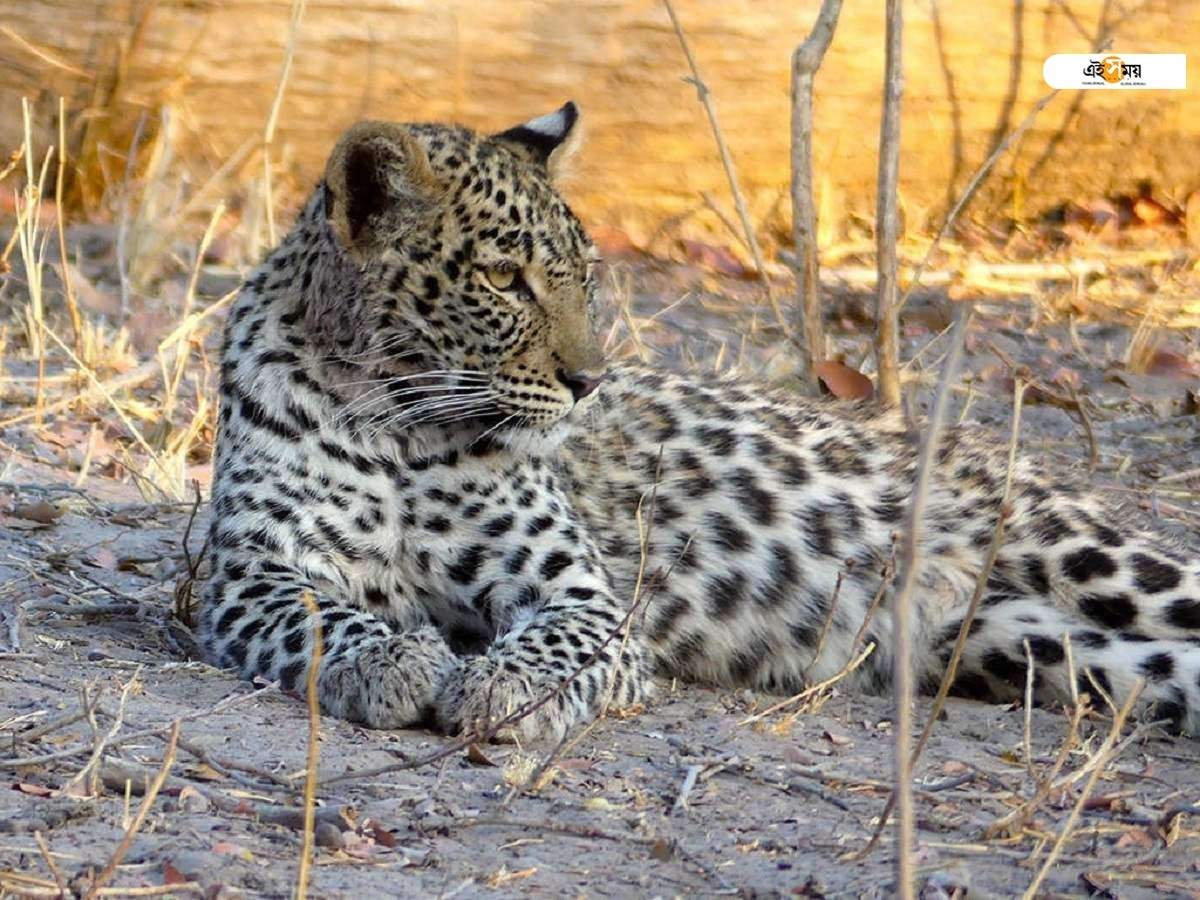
411,430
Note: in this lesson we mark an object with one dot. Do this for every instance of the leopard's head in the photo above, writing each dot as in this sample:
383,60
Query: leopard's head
473,286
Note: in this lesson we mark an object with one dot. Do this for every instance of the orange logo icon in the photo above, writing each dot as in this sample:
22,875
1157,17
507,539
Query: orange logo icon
1114,69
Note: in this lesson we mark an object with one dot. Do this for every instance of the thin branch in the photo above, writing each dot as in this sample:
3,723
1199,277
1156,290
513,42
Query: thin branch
806,60
909,568
705,97
313,755
289,52
964,628
887,234
107,873
64,266
1103,756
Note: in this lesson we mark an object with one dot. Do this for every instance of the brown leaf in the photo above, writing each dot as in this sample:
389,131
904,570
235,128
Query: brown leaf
844,382
1173,363
378,833
33,790
172,875
41,511
477,757
954,767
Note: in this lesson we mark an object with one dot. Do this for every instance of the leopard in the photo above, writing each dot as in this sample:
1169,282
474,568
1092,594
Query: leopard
426,463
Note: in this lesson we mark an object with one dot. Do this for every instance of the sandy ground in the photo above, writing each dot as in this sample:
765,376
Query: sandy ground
686,799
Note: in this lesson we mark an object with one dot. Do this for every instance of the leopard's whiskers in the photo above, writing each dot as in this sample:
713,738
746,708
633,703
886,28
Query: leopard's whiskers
497,426
374,396
386,344
419,413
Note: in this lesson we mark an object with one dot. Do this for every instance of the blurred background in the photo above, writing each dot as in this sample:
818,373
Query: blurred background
203,75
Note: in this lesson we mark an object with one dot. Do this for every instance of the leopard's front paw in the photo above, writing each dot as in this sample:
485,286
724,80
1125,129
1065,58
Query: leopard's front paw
486,691
388,682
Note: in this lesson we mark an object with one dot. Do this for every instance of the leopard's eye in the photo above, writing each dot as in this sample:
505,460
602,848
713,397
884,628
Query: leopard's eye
502,279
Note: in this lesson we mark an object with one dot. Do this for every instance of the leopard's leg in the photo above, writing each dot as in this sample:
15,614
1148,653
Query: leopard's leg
255,620
570,649
1009,631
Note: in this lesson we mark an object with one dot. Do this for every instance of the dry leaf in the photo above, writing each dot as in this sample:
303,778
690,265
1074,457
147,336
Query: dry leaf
172,875
378,833
477,757
41,511
954,767
844,382
33,790
1172,363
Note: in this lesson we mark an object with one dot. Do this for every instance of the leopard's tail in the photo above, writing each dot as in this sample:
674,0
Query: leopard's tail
1125,607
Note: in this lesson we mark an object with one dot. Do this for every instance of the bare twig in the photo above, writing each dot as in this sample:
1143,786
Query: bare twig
1079,709
806,60
813,691
909,568
107,873
964,628
705,97
133,736
689,782
828,623
1098,763
55,871
101,741
313,755
887,234
64,266
289,52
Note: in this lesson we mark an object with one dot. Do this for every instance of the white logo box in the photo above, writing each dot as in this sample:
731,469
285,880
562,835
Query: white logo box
1136,71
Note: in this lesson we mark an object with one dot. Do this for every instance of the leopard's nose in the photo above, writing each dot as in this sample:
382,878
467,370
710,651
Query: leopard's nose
580,384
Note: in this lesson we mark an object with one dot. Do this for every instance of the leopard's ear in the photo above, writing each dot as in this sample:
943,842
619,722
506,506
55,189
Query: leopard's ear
549,140
378,185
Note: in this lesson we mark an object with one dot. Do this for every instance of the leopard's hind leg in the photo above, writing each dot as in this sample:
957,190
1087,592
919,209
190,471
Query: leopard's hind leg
1009,633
